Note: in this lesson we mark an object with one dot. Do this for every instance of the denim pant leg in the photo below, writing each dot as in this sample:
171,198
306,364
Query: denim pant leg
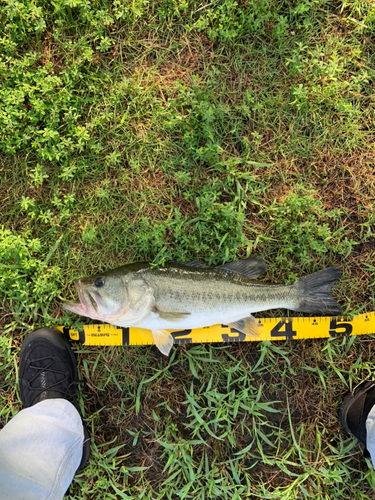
40,451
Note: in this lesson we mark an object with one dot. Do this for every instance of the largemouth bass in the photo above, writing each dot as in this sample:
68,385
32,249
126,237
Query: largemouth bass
191,295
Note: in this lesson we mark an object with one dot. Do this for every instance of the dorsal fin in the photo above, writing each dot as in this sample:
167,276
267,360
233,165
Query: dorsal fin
194,263
251,267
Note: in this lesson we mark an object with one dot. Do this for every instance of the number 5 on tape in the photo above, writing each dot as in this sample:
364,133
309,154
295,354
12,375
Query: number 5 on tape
337,328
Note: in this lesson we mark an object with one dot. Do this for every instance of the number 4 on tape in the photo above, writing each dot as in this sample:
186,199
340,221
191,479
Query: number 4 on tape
283,329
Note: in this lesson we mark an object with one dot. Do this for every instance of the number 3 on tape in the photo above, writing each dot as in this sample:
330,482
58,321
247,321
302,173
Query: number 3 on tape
337,328
283,329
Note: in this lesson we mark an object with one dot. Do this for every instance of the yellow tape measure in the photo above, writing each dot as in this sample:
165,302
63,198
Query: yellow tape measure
269,329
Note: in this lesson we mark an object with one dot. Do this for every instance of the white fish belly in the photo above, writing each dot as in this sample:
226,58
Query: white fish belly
202,319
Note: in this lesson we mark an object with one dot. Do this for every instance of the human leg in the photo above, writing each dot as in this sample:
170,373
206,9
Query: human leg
40,451
42,447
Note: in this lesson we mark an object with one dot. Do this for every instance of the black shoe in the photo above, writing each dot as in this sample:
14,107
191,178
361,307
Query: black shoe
354,411
48,370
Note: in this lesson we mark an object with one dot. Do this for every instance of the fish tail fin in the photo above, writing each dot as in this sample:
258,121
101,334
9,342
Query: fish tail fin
315,291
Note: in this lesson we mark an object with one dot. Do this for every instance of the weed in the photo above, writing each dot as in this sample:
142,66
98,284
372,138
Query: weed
302,229
28,283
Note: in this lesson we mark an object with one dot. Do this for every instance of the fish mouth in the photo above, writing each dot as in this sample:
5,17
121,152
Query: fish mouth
87,305
94,301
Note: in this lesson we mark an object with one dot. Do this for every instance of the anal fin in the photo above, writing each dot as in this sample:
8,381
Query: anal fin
163,340
248,326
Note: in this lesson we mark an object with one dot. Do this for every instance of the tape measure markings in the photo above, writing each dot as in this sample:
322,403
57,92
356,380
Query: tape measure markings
270,329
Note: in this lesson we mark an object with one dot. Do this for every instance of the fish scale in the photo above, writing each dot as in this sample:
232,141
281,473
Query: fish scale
238,293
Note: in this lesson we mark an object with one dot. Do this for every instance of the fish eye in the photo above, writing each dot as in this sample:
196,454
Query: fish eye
99,282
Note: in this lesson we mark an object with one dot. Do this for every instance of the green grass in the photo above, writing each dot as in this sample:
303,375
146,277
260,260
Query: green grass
182,130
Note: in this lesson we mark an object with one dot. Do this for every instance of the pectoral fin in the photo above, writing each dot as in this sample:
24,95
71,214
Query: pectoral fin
171,316
248,326
163,341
